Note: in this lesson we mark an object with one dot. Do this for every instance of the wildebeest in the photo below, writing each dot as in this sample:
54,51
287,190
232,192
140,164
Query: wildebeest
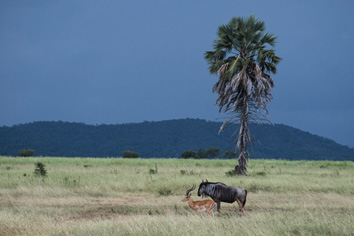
220,192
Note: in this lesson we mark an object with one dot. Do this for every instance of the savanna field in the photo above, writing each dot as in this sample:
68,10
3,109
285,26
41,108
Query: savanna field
86,196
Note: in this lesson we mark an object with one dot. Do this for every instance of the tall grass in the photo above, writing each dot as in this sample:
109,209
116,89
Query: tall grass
85,196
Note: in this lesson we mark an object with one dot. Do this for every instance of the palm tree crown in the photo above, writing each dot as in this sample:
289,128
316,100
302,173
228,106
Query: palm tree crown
243,58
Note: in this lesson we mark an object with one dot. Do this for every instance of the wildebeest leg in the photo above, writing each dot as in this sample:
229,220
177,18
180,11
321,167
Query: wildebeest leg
240,205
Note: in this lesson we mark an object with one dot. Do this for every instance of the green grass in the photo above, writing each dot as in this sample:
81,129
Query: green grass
86,196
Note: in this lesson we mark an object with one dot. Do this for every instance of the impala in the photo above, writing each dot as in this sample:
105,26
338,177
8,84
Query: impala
205,205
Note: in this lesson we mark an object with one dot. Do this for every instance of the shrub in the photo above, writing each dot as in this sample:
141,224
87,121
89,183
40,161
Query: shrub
40,169
230,154
189,154
213,152
26,153
130,154
202,153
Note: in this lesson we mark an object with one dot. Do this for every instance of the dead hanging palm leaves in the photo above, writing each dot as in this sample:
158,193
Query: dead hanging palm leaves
222,70
243,64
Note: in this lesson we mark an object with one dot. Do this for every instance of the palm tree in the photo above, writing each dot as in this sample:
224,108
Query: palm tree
243,58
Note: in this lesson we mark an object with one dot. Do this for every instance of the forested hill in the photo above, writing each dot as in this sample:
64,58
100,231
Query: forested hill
164,139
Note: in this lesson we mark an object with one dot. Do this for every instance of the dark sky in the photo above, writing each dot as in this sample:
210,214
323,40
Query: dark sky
108,62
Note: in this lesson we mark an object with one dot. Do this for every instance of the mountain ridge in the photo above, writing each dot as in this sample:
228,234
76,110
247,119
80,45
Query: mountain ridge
168,138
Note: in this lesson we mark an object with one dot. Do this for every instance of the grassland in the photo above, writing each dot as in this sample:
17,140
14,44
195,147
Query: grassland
83,196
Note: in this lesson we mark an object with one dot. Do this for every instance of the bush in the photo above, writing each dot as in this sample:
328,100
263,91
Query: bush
26,153
189,154
40,169
230,154
130,154
213,152
202,153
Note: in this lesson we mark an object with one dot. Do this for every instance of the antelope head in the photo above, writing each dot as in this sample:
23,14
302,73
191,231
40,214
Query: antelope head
188,194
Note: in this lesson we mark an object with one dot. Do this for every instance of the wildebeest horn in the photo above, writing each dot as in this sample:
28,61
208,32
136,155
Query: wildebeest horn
206,180
202,180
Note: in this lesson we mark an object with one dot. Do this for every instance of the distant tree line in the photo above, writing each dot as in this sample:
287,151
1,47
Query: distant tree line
212,152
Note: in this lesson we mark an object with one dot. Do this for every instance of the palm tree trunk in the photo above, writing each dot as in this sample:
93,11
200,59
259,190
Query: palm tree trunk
242,140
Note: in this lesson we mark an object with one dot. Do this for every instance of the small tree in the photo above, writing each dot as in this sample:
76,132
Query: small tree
189,154
40,169
213,152
26,153
130,154
230,154
202,153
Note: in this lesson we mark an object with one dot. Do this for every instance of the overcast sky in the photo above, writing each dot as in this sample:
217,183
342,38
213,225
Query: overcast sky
108,62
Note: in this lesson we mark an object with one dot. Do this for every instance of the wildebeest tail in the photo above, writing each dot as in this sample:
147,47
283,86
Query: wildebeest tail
244,202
